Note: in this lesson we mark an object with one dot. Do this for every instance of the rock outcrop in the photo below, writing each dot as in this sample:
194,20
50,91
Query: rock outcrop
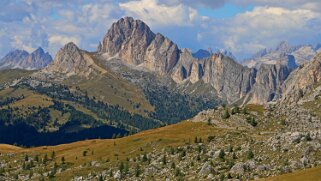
70,60
230,80
133,41
20,59
268,82
302,80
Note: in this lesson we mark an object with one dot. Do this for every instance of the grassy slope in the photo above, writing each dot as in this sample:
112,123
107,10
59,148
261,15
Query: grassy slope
33,99
143,142
105,86
312,174
10,75
120,149
110,88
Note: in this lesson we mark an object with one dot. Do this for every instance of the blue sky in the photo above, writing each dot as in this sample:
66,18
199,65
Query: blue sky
242,27
228,10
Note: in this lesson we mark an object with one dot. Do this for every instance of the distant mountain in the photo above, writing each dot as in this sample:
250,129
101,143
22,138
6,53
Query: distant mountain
303,54
201,53
318,47
20,59
226,53
300,54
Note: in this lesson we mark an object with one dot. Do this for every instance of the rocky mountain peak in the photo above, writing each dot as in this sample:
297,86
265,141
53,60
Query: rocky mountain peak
261,53
70,60
71,46
125,33
283,47
201,53
39,51
21,59
18,52
133,42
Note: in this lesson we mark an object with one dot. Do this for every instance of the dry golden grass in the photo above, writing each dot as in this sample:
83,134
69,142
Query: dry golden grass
116,91
255,108
12,92
10,75
312,174
173,135
116,150
36,100
4,148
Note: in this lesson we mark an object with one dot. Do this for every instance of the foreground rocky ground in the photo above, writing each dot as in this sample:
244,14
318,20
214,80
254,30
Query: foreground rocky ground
244,143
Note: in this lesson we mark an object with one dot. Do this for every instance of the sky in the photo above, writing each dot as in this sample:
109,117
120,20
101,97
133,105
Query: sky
242,27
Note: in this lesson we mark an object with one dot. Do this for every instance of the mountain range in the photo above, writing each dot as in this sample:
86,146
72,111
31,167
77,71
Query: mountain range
20,59
201,116
135,71
284,53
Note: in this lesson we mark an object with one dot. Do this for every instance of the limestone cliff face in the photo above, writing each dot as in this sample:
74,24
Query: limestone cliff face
183,68
133,41
231,80
70,60
268,82
302,80
161,55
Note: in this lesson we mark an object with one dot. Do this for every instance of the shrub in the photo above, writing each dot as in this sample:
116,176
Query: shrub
251,121
226,114
250,154
221,154
235,110
210,138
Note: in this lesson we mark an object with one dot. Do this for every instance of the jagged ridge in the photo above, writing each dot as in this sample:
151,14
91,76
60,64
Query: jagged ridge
20,59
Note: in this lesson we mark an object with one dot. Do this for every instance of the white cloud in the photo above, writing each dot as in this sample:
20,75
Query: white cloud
62,40
263,27
156,14
58,41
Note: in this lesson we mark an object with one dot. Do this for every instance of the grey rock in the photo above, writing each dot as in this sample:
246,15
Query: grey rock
20,59
238,168
134,42
70,60
206,169
117,175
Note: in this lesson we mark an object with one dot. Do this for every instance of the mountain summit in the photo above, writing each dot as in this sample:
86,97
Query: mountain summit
133,42
20,59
